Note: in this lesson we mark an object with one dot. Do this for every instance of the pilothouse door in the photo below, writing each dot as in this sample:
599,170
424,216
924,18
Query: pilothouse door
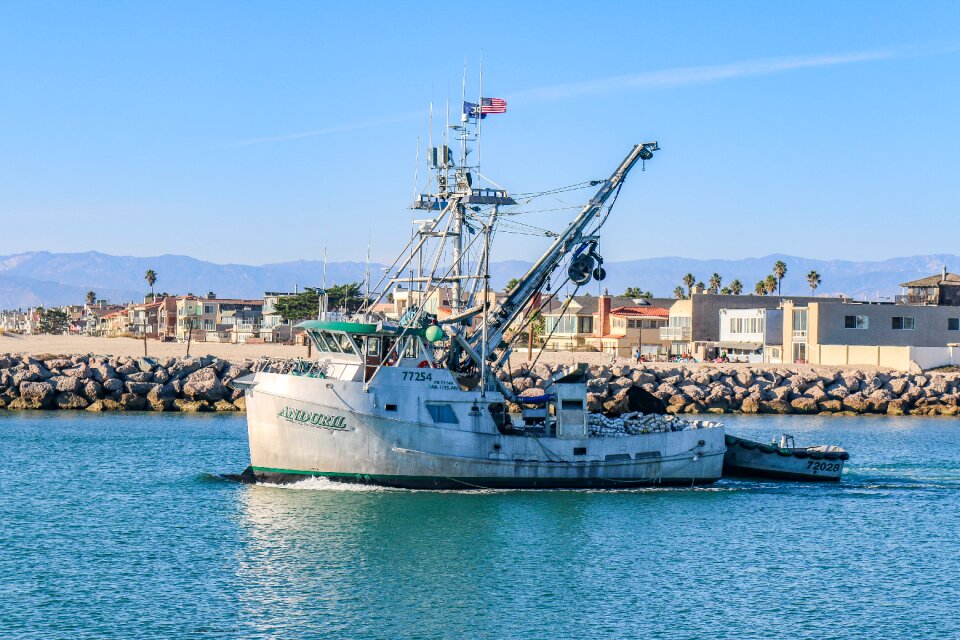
372,354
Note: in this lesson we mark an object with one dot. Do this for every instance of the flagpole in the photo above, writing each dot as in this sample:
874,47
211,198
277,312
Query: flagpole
479,119
463,119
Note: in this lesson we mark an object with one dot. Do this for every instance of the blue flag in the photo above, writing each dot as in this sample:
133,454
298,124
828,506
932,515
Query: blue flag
472,110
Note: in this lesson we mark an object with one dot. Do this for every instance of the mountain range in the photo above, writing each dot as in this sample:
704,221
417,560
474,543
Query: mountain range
45,278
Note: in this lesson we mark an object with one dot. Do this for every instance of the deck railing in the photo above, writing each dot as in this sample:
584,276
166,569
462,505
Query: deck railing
675,333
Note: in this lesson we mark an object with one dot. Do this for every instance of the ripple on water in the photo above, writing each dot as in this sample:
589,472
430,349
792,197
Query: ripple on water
114,530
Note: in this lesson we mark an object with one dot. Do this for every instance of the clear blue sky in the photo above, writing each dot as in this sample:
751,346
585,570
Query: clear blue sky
242,132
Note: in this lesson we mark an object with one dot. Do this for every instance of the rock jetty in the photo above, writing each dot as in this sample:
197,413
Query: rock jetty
760,389
105,383
101,383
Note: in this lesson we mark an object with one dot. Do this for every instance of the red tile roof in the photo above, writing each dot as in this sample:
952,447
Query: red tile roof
637,312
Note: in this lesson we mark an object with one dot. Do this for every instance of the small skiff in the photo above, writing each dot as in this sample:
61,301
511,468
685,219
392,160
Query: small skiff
783,460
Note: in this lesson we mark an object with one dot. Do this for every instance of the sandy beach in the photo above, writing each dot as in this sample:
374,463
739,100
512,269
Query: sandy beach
82,345
77,345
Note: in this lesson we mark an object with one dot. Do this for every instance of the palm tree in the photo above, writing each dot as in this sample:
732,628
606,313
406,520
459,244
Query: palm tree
725,291
736,287
151,278
761,288
813,279
715,282
771,284
91,298
679,294
700,285
688,281
779,270
636,292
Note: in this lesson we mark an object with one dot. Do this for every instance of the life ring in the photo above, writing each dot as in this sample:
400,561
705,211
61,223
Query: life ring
424,364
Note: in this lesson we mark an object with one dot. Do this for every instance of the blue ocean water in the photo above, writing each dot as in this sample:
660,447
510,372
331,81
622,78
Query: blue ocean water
118,525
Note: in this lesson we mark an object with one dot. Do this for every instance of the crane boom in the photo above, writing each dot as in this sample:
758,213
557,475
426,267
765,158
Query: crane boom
507,311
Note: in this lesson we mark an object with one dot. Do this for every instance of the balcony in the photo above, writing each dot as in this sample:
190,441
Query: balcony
918,298
676,334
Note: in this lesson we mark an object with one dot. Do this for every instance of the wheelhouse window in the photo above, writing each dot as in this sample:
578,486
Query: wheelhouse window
329,339
345,343
373,346
442,413
905,323
412,348
856,322
953,324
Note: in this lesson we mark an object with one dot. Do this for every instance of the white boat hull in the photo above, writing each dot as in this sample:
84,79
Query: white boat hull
300,426
753,459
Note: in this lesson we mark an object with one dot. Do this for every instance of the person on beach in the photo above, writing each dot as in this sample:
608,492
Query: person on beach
636,354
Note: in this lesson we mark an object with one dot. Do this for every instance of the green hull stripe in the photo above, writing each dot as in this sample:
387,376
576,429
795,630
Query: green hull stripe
330,474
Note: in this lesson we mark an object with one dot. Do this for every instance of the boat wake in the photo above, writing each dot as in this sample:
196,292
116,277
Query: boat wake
318,483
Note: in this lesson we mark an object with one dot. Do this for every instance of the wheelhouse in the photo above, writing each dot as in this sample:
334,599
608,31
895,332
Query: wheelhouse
351,348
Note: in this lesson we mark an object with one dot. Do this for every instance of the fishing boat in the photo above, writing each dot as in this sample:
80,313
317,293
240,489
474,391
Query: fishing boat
783,460
421,402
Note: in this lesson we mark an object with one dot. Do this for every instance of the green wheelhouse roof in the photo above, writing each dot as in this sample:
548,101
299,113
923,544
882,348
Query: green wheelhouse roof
356,328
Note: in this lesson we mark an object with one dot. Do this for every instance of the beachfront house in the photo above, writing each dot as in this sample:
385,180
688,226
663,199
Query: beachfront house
942,289
273,328
195,316
693,327
751,335
215,319
612,324
899,336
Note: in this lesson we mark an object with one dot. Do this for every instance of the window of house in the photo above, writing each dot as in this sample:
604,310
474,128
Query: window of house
904,322
208,308
953,324
561,324
584,324
800,321
856,322
442,413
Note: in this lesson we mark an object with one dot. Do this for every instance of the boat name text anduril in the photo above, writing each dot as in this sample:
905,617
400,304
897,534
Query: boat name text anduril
336,423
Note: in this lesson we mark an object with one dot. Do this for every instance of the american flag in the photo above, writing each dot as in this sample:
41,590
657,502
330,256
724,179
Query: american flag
493,105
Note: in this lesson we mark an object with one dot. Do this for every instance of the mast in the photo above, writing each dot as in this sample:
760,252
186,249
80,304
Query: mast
486,289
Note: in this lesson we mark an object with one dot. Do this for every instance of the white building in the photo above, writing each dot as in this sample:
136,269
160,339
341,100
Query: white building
751,335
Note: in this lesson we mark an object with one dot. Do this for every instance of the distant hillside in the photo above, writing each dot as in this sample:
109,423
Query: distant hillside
28,279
